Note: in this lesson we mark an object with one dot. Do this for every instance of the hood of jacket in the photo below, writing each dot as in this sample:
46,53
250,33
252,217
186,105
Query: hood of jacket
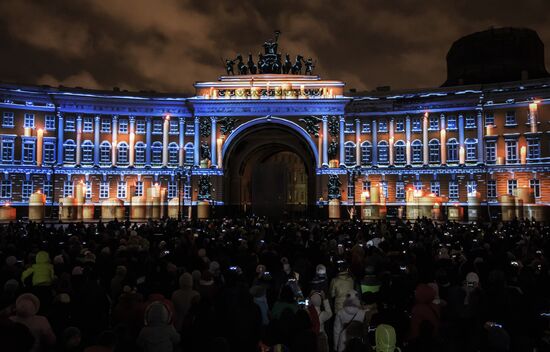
157,314
385,338
186,281
424,294
27,305
42,257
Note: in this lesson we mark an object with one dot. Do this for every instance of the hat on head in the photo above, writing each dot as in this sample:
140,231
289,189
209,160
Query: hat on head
11,260
472,278
27,305
321,270
58,259
77,270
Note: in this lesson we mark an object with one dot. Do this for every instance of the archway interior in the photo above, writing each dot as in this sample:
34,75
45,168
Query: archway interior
269,171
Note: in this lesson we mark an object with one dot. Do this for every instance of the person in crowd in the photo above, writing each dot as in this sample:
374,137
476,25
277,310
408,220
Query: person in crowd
344,319
158,334
341,286
27,306
183,299
320,312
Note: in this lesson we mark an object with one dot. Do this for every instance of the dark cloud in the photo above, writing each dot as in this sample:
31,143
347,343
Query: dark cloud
168,45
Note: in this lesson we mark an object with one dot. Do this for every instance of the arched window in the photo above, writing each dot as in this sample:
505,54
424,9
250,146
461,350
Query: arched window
400,150
471,149
105,152
434,151
69,151
417,152
189,154
452,150
122,153
349,152
87,152
383,152
173,155
140,153
366,153
156,153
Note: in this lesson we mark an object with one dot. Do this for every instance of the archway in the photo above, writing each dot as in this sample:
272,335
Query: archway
269,168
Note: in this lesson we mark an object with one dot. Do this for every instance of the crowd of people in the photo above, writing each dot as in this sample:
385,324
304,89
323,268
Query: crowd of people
256,285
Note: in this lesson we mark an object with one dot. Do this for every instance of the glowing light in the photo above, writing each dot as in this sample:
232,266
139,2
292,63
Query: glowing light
167,117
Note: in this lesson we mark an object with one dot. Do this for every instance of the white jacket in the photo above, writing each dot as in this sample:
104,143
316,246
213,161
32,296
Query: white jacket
342,320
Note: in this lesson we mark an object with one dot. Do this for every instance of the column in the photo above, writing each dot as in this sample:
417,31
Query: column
132,141
39,146
480,143
60,128
165,131
461,151
114,139
196,143
97,127
182,141
148,140
374,154
213,146
533,118
391,141
408,139
357,142
443,139
425,139
78,140
325,140
342,140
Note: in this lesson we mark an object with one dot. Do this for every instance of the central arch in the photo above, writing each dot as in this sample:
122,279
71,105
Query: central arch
269,169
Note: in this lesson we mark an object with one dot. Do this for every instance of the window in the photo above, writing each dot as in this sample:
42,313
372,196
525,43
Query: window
435,187
349,150
5,189
471,188
189,129
384,187
471,149
418,185
511,151
104,190
122,153
49,122
533,149
123,126
174,127
70,124
88,125
453,190
49,152
510,118
490,152
365,127
105,152
139,188
156,153
416,124
489,118
434,123
29,120
399,125
351,191
366,153
451,122
470,121
400,150
121,190
173,154
47,189
452,150
383,152
69,151
26,191
434,151
512,187
491,189
28,151
7,119
172,190
68,189
349,127
140,126
105,126
399,190
88,188
87,152
140,153
383,125
365,186
7,149
189,154
157,126
535,186
187,191
417,151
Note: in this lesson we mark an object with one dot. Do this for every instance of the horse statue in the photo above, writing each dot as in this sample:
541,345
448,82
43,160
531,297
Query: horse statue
297,67
229,67
252,68
287,66
243,70
277,65
309,66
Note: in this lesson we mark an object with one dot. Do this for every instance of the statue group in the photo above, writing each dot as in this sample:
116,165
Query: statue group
270,62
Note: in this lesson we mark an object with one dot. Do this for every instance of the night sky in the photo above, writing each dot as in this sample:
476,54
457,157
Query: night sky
166,45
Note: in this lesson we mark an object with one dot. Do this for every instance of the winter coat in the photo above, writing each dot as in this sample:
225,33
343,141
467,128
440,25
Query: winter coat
42,272
385,339
424,310
183,299
26,307
158,335
342,320
340,286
